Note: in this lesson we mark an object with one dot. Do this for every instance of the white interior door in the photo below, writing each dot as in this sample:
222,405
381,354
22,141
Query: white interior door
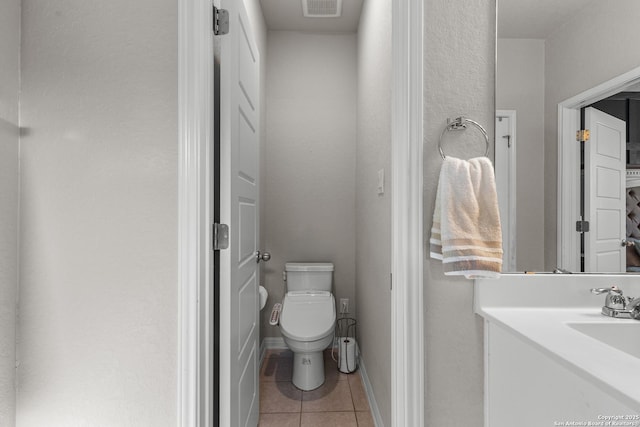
239,191
505,166
605,164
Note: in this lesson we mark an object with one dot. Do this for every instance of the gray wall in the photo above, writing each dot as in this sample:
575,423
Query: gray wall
373,211
98,308
520,87
598,44
309,159
459,79
9,148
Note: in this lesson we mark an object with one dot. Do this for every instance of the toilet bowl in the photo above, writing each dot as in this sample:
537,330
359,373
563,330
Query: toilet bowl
307,320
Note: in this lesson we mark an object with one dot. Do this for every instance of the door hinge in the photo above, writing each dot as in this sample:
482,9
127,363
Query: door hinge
220,21
582,226
583,135
220,236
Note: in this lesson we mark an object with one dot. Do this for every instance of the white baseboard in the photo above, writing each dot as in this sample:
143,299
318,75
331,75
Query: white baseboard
269,343
375,411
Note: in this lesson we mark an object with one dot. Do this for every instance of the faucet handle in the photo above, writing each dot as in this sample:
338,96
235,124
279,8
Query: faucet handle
614,299
613,289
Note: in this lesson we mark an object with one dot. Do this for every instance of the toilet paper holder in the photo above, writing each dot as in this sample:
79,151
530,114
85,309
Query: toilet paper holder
348,352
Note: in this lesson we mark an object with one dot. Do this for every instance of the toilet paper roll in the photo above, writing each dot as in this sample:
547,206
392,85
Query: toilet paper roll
347,352
263,296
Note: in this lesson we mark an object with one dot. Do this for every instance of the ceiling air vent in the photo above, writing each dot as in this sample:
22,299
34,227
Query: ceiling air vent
322,8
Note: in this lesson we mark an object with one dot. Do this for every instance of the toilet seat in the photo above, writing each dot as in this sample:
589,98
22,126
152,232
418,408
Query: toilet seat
307,315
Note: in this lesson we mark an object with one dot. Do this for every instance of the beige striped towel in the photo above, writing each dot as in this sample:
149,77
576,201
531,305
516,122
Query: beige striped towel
466,233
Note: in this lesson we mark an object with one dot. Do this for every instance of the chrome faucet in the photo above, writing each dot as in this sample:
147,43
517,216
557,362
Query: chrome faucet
617,305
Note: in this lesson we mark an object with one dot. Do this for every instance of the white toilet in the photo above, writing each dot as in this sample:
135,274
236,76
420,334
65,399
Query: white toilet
308,319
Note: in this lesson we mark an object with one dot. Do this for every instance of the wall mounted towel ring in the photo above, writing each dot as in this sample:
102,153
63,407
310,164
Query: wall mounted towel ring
460,124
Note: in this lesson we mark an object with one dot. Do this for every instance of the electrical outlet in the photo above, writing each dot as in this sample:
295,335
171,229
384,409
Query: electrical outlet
344,305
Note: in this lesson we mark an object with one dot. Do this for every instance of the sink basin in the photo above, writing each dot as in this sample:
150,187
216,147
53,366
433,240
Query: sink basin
622,336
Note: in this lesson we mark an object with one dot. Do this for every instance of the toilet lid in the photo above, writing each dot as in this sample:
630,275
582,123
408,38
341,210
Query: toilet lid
307,315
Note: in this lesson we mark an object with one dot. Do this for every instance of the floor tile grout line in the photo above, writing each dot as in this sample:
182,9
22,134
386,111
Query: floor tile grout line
351,395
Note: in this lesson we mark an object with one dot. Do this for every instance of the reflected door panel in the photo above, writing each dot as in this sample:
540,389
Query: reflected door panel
605,200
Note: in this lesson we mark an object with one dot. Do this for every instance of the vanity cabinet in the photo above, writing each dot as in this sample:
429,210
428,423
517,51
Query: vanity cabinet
526,387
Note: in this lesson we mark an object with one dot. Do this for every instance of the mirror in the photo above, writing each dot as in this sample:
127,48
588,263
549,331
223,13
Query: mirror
554,61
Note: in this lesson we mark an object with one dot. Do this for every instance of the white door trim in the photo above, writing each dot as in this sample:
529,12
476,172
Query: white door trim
195,272
407,323
508,180
568,242
195,301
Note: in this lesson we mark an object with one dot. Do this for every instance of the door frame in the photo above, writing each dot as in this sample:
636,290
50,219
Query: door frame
195,388
195,300
568,205
407,250
509,154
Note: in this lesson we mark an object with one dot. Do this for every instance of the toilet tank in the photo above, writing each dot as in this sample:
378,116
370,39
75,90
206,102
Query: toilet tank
309,276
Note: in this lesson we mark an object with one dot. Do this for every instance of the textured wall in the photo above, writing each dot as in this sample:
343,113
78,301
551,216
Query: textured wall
309,158
520,87
373,211
459,80
598,44
98,295
9,170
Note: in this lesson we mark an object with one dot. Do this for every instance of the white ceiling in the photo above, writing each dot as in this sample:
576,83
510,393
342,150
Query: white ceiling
534,19
287,15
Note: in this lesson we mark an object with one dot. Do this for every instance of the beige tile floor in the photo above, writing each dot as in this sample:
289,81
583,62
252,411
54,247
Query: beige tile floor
340,402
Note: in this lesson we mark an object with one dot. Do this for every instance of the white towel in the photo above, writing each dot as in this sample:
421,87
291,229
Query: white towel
466,233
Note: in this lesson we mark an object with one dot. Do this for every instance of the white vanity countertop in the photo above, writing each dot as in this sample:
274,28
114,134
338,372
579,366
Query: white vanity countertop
611,369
